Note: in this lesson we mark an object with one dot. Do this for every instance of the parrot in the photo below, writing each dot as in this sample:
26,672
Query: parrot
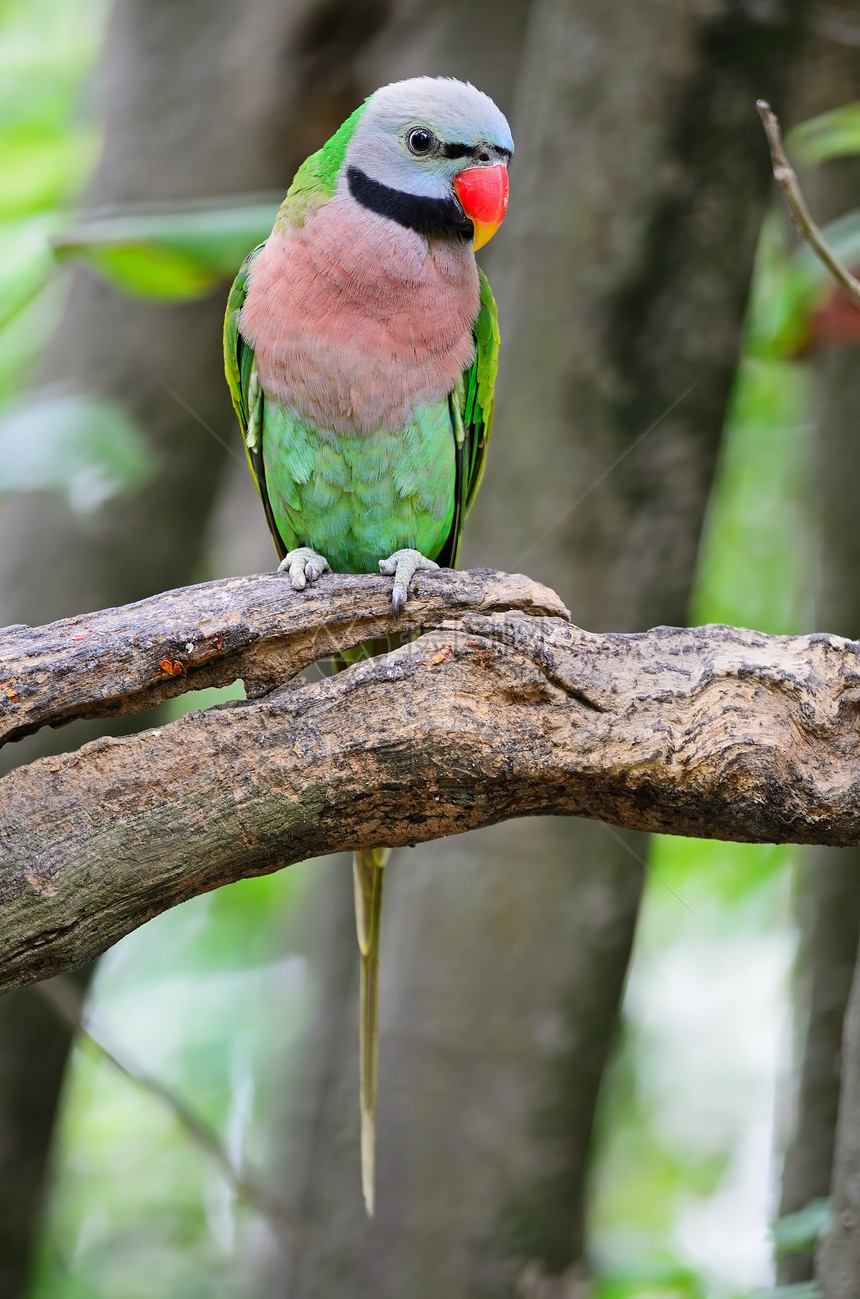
361,348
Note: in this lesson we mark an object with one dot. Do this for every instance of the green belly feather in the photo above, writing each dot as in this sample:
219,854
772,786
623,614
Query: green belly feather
356,498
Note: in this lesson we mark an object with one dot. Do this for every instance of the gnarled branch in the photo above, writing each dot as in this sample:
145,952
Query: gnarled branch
712,731
120,661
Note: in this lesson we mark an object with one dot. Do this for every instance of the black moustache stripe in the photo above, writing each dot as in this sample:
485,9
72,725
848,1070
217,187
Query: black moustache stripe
454,149
415,211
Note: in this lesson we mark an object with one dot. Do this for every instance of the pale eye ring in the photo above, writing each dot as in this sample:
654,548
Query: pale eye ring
420,141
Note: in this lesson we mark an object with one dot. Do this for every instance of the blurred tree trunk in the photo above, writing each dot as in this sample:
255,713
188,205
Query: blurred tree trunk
828,879
621,274
825,1155
838,1256
201,97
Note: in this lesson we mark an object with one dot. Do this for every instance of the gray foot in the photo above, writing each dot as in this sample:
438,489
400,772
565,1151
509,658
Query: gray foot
303,565
403,565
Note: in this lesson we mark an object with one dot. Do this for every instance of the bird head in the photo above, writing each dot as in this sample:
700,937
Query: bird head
432,153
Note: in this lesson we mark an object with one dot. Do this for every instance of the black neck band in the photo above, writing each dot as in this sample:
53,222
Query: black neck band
428,216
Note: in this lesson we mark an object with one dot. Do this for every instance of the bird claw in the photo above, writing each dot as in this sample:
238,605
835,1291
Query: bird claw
304,565
403,565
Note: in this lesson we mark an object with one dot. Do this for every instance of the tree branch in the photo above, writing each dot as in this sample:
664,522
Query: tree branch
711,731
123,660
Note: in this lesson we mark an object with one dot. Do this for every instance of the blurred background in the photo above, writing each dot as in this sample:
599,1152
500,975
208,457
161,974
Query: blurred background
610,1066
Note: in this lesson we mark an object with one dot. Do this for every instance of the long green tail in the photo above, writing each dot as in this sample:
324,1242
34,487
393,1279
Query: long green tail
368,869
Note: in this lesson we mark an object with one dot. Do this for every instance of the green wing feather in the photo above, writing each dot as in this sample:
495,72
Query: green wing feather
481,388
238,357
471,405
248,399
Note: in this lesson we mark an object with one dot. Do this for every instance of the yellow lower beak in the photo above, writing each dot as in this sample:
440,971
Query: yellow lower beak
483,195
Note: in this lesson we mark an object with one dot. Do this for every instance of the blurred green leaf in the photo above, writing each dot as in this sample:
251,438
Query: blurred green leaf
25,266
22,335
83,446
790,285
234,928
843,236
19,295
670,1280
173,256
832,135
41,167
755,559
34,97
738,876
803,1229
778,314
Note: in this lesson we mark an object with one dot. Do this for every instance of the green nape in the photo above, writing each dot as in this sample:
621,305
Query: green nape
315,180
356,498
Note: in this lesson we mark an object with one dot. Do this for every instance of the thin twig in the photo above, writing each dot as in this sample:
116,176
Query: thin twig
64,1000
786,179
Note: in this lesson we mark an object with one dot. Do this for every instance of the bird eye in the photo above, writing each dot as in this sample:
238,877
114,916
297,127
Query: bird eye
420,141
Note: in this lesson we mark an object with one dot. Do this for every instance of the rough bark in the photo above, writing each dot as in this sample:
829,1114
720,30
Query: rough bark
711,731
621,274
120,661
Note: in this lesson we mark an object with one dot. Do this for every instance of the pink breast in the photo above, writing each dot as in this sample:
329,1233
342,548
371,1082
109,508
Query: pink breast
355,320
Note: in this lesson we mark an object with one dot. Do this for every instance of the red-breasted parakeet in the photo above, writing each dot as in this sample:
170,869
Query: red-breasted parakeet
361,345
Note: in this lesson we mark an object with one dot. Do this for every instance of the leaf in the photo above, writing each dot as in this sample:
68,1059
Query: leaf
803,1229
843,236
778,314
831,135
84,447
653,1279
40,167
788,288
19,292
170,255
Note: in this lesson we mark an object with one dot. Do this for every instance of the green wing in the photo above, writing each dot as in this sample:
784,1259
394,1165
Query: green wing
241,369
472,415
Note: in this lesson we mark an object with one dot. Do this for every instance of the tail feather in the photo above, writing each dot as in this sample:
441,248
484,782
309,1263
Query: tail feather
368,869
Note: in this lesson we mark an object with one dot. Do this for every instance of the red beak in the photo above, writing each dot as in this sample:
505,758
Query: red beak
483,195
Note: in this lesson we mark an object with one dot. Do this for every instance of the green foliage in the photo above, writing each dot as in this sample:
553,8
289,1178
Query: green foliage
754,563
832,135
136,1209
790,284
171,255
83,447
803,1230
668,1280
777,321
46,152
